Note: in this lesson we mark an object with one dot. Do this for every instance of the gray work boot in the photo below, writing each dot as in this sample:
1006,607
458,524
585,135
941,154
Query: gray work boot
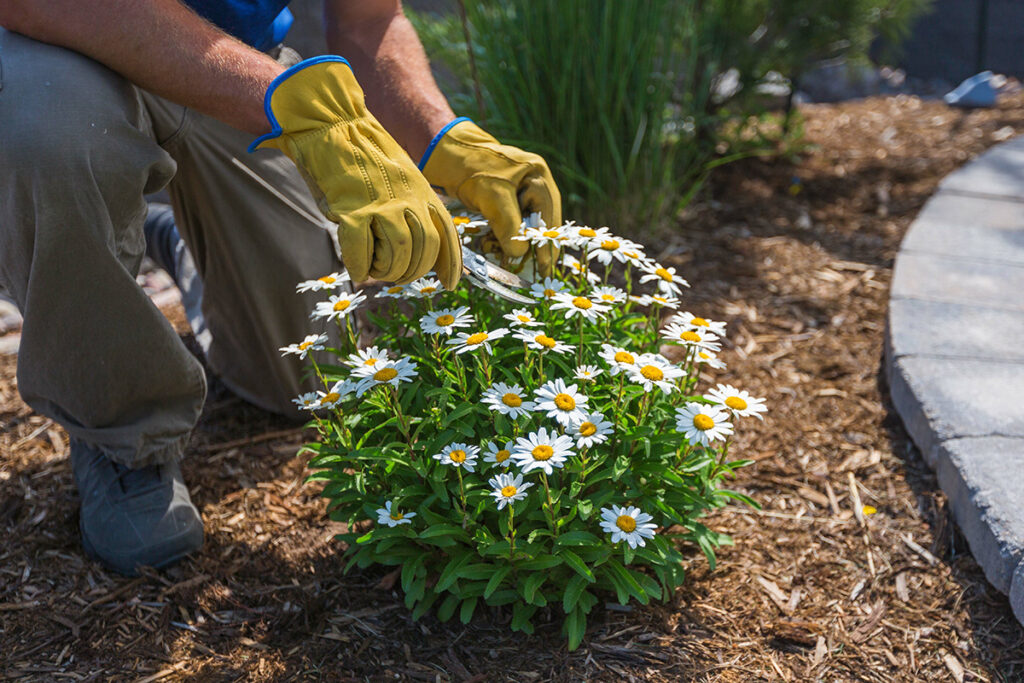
133,517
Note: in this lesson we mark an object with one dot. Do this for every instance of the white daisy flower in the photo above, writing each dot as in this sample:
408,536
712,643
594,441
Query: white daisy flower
608,295
521,317
542,235
587,373
314,342
738,402
617,358
473,225
547,288
691,321
392,292
388,372
701,423
392,517
610,248
627,524
668,282
563,403
692,337
499,456
426,287
535,339
323,283
366,361
336,394
709,358
592,429
541,450
464,342
458,455
579,305
309,400
337,307
635,255
508,489
507,399
654,370
584,235
656,300
446,320
574,265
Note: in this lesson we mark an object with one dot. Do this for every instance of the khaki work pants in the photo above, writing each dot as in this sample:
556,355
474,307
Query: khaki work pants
79,147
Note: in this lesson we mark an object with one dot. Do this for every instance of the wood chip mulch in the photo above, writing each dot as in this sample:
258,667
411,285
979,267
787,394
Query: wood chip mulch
797,256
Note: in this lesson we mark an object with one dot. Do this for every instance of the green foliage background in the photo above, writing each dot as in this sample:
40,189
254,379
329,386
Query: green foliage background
622,97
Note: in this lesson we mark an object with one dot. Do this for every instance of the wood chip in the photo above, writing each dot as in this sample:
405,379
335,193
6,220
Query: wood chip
901,587
858,508
927,556
954,666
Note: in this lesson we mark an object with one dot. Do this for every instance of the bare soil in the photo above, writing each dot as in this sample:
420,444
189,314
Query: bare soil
796,254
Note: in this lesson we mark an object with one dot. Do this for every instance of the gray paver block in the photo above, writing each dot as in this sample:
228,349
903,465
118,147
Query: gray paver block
1017,593
938,277
969,227
947,398
921,327
1000,171
983,479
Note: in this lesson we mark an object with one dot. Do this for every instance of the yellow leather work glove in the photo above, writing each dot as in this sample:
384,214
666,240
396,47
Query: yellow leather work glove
391,224
501,182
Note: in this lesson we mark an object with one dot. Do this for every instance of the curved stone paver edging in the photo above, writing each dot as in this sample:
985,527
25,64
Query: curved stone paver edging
955,357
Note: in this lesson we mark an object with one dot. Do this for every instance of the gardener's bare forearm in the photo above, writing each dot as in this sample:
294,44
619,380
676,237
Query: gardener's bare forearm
388,60
161,46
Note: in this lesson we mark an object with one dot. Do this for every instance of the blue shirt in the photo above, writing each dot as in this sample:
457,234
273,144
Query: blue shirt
259,23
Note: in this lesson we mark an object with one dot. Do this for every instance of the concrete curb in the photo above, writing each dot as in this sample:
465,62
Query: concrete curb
954,359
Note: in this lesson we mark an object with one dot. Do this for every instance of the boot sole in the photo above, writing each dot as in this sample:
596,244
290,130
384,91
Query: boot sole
90,550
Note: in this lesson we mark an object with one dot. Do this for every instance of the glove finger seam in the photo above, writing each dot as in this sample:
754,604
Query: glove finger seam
366,174
401,171
383,170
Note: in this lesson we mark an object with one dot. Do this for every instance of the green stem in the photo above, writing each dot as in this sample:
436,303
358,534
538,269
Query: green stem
511,530
550,505
462,497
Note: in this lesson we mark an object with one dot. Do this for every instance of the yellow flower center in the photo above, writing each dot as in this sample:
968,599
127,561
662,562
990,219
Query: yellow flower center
545,341
703,422
512,400
549,293
331,397
551,233
478,338
610,245
370,362
588,429
342,304
396,289
524,318
502,455
542,452
305,345
460,220
626,523
660,299
327,280
509,491
428,290
397,516
385,374
631,254
457,455
703,355
581,302
736,403
445,319
565,402
663,274
652,373
690,336
699,322
471,229
587,232
607,297
624,357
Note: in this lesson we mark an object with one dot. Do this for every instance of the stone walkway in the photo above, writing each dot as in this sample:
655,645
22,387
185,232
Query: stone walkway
955,354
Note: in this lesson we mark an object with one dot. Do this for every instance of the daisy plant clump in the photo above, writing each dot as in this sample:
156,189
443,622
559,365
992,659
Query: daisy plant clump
539,458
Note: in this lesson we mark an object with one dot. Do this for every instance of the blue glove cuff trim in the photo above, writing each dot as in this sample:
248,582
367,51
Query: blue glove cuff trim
275,127
437,139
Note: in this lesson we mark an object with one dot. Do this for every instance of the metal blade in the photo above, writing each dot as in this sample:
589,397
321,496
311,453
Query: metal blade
482,273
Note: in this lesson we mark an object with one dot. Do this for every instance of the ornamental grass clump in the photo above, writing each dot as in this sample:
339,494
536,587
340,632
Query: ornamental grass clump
541,458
